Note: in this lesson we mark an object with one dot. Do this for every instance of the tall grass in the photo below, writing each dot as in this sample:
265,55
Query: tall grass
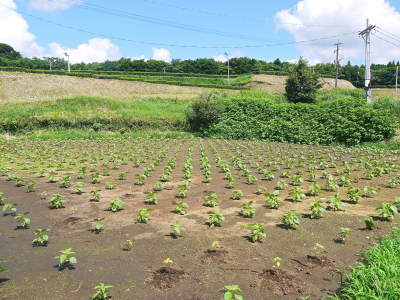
94,112
378,275
335,94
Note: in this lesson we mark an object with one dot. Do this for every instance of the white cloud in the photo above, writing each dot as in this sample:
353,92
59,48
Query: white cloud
14,30
162,54
53,5
95,50
222,57
341,16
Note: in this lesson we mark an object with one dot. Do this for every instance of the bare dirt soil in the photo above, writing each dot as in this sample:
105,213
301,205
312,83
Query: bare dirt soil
198,270
276,84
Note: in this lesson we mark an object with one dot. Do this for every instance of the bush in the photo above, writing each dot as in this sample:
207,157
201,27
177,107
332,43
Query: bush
345,121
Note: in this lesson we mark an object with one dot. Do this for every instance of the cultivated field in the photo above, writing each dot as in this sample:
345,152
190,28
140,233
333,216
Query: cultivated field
26,86
175,215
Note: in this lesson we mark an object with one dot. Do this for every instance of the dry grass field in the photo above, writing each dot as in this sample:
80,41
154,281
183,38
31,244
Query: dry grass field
25,86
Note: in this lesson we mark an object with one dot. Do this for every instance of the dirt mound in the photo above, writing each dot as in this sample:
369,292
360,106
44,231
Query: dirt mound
166,278
276,84
320,261
214,256
279,282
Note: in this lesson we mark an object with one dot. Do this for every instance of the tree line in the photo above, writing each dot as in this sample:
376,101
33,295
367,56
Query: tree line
383,75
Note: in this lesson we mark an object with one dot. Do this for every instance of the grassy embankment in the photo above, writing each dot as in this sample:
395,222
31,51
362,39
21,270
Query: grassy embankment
377,276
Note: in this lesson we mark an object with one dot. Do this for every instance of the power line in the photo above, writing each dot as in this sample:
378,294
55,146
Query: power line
388,36
112,37
163,22
377,36
387,32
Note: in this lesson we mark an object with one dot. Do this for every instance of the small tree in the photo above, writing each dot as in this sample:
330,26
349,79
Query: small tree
302,84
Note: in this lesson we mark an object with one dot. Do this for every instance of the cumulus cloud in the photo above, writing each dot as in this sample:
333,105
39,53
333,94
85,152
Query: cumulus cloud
95,50
53,5
14,30
341,16
161,54
222,57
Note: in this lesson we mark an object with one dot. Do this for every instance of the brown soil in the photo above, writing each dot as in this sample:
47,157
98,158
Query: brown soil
304,271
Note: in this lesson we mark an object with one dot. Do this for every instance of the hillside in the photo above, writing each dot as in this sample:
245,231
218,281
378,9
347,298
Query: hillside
276,84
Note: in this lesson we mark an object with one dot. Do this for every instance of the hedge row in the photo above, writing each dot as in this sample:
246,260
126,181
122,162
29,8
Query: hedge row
349,122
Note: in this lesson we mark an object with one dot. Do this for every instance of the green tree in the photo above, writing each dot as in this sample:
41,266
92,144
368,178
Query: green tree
8,52
302,84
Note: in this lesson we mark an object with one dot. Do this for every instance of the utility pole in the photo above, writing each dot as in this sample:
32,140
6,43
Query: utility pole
366,35
69,65
338,44
227,57
397,78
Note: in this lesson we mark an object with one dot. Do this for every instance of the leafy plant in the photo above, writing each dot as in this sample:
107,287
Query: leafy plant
151,198
2,199
248,211
98,225
23,220
42,238
314,189
31,186
176,230
116,204
65,259
277,262
143,216
237,195
369,223
56,201
317,209
65,182
251,179
369,191
110,185
257,231
211,200
344,234
159,186
168,261
297,194
127,245
335,203
140,179
387,211
273,201
354,194
215,218
181,207
102,291
230,291
281,184
290,220
9,208
95,195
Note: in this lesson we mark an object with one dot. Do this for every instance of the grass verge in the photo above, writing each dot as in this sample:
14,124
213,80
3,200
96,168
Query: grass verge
377,276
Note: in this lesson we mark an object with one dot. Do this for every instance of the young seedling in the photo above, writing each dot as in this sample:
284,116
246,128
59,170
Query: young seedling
211,200
260,190
95,195
387,211
9,209
2,199
23,220
1,268
277,262
257,231
248,211
65,259
344,234
116,204
79,188
168,261
215,218
281,185
181,207
110,185
370,191
65,182
230,291
176,230
297,194
369,223
151,198
314,189
95,178
98,225
335,203
159,186
316,209
43,195
143,216
42,239
290,220
140,179
272,200
297,180
237,195
31,186
102,292
251,179
127,245
396,203
56,201
354,194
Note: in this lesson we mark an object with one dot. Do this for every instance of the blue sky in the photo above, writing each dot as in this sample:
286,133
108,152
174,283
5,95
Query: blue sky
251,23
